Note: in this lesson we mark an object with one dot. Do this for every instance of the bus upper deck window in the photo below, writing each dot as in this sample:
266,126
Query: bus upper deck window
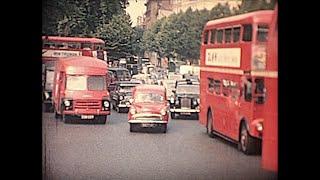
262,33
205,37
227,35
247,32
236,34
213,34
219,36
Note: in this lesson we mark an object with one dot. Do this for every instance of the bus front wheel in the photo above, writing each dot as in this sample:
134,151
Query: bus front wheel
247,142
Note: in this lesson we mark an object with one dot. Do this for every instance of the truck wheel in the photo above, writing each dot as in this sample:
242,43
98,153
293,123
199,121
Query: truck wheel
102,119
56,115
247,143
210,125
163,128
173,115
66,119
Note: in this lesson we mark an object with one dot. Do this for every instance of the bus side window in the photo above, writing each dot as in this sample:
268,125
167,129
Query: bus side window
227,35
225,87
248,90
260,91
206,37
219,36
247,32
216,86
213,35
236,34
210,85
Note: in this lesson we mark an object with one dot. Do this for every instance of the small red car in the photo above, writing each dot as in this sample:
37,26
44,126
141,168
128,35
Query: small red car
149,108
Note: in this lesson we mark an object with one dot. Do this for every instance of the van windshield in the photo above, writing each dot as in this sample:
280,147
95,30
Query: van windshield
83,82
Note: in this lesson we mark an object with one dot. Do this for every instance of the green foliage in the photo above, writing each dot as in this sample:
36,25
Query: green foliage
118,35
78,17
179,35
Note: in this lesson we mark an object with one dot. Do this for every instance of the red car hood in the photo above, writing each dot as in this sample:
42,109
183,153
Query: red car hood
86,95
149,107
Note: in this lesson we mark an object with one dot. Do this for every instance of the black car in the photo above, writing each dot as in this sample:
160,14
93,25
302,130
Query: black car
120,73
120,95
186,99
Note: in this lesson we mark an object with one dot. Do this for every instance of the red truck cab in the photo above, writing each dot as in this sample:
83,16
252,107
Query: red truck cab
80,89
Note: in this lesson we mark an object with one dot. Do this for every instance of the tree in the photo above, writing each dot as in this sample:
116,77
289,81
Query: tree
118,35
78,17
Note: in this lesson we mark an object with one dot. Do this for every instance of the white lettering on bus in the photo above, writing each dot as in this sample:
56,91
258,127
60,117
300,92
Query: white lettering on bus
228,57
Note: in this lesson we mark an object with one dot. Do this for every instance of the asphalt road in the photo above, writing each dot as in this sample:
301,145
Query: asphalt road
110,151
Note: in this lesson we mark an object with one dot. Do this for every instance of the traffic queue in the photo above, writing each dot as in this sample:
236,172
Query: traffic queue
85,89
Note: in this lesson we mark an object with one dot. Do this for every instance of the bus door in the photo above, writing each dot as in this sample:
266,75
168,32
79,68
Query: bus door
231,91
246,102
219,108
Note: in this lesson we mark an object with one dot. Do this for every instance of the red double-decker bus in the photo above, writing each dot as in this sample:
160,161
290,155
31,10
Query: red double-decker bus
234,73
57,47
270,134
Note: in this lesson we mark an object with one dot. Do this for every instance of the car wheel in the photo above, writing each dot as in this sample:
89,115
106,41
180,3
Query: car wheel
133,127
210,125
163,128
247,143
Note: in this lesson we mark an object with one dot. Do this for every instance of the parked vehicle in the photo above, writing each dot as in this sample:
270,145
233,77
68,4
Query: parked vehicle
149,108
80,90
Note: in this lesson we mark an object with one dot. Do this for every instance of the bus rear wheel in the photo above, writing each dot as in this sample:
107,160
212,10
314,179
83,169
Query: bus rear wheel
247,142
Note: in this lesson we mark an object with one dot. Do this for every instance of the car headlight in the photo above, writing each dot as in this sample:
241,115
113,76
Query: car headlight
163,111
171,100
195,102
133,111
121,97
106,104
67,103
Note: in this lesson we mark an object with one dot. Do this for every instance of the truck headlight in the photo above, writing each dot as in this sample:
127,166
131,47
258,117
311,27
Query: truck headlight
106,104
67,103
171,100
163,111
133,111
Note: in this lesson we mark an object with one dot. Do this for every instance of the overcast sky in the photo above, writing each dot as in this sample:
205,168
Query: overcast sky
136,8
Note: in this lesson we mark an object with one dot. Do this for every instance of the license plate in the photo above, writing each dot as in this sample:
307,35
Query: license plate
147,125
87,116
185,113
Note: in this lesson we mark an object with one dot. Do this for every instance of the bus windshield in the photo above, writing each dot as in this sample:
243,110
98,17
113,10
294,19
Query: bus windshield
82,82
